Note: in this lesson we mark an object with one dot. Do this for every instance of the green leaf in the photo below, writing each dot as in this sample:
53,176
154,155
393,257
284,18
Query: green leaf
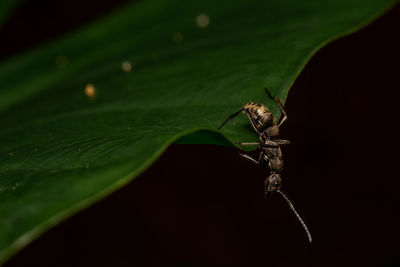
61,150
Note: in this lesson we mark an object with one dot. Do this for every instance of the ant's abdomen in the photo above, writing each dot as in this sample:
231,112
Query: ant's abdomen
259,114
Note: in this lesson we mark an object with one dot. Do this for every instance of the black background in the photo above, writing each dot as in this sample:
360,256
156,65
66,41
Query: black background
202,205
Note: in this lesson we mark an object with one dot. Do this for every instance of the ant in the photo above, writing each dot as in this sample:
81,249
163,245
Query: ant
262,121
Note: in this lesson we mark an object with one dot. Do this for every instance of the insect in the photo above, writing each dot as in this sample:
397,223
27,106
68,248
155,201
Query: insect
262,121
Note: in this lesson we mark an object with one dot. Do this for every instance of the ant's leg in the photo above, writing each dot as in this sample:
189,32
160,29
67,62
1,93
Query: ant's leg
249,158
277,100
285,117
261,161
253,123
247,144
230,117
282,142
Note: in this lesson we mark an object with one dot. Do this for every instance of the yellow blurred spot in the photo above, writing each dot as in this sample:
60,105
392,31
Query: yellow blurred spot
62,61
126,66
202,20
90,91
11,154
177,37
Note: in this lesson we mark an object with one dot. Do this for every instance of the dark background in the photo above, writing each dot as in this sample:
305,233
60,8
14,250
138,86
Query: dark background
202,205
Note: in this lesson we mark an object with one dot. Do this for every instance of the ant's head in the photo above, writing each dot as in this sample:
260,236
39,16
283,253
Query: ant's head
273,183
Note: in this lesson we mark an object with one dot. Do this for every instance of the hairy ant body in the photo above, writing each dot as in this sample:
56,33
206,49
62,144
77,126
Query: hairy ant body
262,121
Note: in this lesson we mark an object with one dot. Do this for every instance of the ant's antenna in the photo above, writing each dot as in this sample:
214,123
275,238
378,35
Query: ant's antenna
297,215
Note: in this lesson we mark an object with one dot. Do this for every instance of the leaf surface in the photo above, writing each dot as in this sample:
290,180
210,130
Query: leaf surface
63,147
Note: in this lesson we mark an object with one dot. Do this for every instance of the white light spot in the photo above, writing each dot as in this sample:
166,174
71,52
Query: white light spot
126,66
177,37
202,20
